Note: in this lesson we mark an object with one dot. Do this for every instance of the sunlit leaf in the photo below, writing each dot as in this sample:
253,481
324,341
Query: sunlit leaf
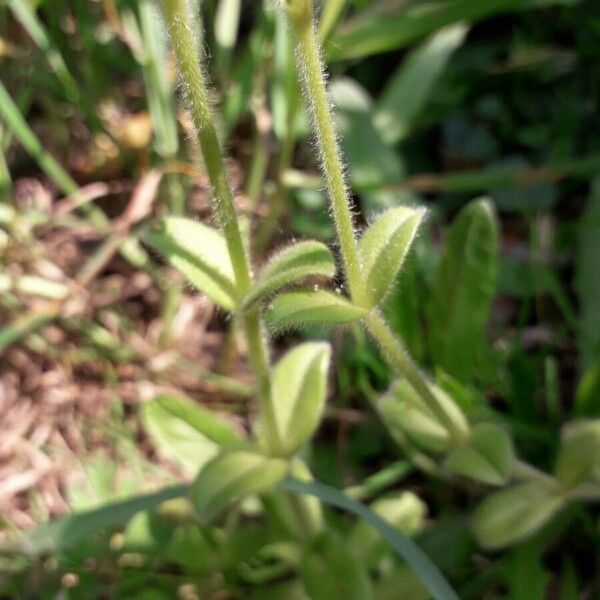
301,260
384,246
309,307
299,385
487,457
200,253
411,85
511,515
184,431
232,475
463,290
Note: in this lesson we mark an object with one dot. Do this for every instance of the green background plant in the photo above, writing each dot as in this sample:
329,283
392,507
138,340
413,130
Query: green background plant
437,346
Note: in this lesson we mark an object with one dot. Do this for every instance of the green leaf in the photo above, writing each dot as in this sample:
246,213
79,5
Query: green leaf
579,455
329,569
232,475
384,246
200,253
185,432
308,307
463,290
587,277
487,457
411,85
380,30
299,385
69,531
305,259
513,514
402,409
405,548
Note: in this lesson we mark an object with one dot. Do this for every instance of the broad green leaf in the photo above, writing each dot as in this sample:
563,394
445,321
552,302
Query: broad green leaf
579,455
403,546
463,290
511,515
185,432
308,307
200,253
372,163
587,277
298,386
404,511
382,30
411,85
232,475
487,457
304,259
401,408
71,530
384,246
330,569
526,575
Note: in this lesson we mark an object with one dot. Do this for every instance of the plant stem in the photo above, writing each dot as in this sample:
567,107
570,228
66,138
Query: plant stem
397,354
178,24
309,61
180,31
313,80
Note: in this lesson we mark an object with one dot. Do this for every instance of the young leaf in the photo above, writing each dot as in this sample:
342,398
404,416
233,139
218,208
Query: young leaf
186,432
305,259
579,456
232,475
329,569
200,253
487,457
384,246
298,385
411,85
401,408
463,291
307,307
512,514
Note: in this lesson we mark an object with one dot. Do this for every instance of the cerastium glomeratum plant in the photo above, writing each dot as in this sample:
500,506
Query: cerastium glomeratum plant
420,415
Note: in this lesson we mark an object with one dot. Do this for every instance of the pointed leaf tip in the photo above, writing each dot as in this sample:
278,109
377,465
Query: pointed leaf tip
385,245
487,457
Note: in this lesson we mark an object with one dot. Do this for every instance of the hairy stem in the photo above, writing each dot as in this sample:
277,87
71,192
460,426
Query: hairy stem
180,31
313,83
309,61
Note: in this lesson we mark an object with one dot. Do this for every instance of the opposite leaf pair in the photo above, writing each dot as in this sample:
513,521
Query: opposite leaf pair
382,250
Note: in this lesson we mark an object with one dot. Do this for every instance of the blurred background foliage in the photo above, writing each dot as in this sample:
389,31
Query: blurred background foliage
437,102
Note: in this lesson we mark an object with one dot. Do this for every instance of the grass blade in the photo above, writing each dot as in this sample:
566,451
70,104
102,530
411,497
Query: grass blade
430,575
